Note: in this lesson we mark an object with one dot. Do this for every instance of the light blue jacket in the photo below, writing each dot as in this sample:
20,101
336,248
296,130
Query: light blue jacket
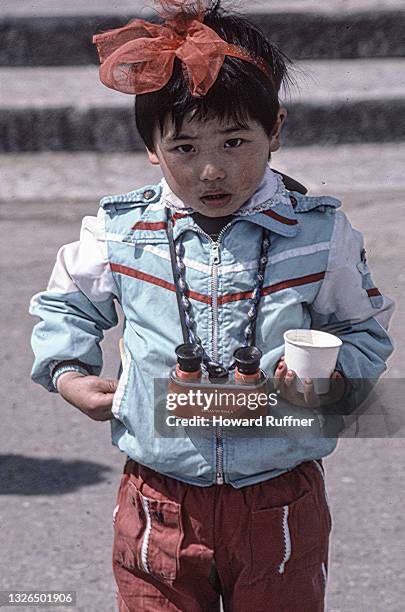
317,276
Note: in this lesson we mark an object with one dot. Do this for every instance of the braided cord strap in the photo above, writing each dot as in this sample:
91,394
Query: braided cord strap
250,331
176,276
185,304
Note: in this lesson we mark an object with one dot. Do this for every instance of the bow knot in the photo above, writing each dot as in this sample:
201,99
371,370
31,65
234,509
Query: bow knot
139,57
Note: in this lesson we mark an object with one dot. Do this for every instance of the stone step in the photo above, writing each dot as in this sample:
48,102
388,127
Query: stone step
50,34
77,7
55,179
68,109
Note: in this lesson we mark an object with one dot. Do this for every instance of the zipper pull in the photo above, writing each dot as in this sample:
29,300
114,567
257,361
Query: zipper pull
215,251
220,479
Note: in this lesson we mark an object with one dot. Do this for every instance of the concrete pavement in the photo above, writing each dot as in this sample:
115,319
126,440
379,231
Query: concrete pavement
59,178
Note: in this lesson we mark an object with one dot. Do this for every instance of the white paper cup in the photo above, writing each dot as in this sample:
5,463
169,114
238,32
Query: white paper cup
311,354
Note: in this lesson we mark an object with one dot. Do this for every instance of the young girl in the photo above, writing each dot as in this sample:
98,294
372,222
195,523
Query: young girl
242,255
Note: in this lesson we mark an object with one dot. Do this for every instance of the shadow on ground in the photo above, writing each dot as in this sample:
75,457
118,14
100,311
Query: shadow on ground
22,475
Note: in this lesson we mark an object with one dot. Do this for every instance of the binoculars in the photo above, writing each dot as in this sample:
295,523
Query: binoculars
247,360
229,387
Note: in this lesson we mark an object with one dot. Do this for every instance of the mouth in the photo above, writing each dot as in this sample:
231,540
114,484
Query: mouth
216,199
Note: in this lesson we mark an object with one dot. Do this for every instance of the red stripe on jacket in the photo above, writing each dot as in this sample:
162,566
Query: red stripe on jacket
292,282
179,215
280,218
154,280
158,225
222,299
154,226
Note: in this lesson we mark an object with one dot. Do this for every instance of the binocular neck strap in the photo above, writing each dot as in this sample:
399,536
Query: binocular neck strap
183,302
172,248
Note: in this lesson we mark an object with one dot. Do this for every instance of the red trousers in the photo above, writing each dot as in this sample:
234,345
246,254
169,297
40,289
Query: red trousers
262,548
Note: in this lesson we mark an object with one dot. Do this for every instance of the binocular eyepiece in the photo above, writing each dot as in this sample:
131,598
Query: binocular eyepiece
247,359
189,357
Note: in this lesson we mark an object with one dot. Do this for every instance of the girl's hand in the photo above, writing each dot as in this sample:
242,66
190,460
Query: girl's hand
90,394
285,384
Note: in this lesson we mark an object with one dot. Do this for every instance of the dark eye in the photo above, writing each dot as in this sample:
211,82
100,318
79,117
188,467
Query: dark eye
233,143
186,148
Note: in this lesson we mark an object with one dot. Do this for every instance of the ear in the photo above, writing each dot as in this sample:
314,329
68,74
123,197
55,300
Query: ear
153,158
274,139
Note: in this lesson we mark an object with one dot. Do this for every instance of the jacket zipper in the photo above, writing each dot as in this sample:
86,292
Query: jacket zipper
216,260
214,296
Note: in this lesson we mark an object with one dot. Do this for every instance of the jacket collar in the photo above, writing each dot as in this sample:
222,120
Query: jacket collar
270,207
270,187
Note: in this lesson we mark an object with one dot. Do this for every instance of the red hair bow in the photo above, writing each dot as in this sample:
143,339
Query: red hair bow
139,57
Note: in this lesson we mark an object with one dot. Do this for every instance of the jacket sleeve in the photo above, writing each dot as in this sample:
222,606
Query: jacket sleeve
76,308
351,307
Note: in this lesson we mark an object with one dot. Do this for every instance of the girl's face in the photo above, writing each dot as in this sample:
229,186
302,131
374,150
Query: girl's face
214,168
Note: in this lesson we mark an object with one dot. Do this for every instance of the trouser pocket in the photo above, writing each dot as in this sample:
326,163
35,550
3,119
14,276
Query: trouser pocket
288,538
147,533
291,536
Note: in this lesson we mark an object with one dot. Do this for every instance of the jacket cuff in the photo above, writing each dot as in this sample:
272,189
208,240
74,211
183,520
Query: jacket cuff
70,366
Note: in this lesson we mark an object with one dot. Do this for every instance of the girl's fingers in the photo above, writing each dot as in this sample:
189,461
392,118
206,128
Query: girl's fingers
311,398
337,386
279,374
289,378
106,385
105,400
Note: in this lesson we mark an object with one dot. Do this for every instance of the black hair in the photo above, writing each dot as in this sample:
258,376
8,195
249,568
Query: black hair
241,92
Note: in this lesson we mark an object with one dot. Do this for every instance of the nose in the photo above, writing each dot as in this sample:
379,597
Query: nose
212,171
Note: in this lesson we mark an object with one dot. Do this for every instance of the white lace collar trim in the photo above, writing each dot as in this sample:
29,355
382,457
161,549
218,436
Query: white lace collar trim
270,193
